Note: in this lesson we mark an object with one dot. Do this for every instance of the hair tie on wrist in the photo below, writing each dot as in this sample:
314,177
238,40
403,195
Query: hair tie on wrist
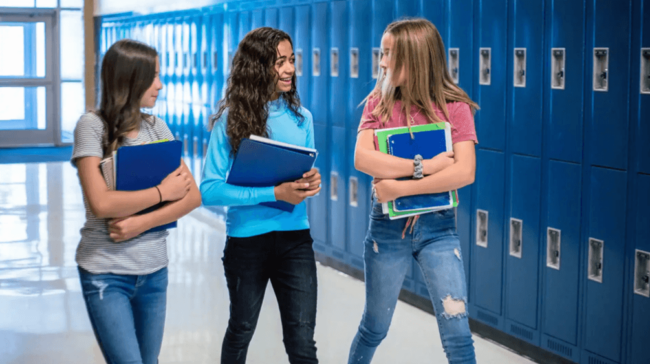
159,193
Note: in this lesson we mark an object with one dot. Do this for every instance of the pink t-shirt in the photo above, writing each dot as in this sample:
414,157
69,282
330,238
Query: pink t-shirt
462,120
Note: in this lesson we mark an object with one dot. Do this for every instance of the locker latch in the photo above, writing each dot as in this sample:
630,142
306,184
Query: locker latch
596,260
315,62
553,245
645,70
601,64
334,190
299,62
195,147
642,273
485,77
354,191
454,64
516,236
354,62
482,228
376,60
334,62
558,65
520,67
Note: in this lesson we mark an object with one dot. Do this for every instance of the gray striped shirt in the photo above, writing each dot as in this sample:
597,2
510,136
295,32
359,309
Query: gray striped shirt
96,252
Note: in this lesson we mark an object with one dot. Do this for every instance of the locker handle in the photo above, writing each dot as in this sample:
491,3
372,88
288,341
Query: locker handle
603,75
560,74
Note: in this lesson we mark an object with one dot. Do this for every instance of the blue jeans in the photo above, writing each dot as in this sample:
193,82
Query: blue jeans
127,313
434,244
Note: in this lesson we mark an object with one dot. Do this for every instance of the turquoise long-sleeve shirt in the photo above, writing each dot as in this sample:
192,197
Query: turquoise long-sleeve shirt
245,217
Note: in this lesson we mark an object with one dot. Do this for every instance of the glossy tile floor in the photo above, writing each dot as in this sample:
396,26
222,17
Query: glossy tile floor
43,318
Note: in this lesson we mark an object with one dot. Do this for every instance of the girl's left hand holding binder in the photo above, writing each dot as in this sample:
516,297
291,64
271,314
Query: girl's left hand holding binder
313,178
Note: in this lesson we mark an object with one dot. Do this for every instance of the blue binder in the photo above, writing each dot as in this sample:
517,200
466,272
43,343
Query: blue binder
428,144
144,166
261,162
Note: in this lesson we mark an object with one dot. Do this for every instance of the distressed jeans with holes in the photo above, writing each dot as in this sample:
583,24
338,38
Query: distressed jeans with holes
434,244
127,313
286,258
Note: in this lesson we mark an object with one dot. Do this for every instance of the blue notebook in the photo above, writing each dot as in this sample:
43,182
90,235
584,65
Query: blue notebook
144,166
428,144
262,162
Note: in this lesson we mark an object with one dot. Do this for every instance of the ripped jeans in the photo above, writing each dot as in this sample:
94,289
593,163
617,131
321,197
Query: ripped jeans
286,258
433,242
127,313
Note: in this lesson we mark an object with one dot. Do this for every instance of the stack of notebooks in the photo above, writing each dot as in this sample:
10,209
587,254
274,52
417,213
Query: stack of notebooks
139,167
263,162
428,141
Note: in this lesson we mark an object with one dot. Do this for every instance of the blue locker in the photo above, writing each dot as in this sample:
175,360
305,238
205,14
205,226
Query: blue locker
561,282
319,106
526,33
609,102
338,189
490,72
384,13
257,19
176,106
640,303
641,102
244,25
337,54
358,205
436,11
287,23
464,228
196,79
231,39
217,60
407,8
186,120
522,248
487,253
302,49
271,17
603,301
563,83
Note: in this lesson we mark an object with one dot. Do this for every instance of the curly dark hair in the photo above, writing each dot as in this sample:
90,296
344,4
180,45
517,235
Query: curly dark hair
251,85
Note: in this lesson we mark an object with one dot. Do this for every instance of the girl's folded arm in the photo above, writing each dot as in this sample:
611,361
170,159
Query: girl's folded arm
377,164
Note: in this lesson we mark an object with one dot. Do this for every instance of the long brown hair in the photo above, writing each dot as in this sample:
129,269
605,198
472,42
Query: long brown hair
419,51
251,85
128,70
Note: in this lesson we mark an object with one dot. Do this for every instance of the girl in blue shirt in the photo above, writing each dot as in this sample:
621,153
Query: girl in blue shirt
264,243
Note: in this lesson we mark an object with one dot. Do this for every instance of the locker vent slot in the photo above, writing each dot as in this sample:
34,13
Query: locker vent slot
205,60
516,237
601,72
553,248
334,62
520,67
519,331
487,318
185,60
315,62
215,61
354,62
299,62
558,63
596,260
354,192
338,254
482,228
559,348
454,64
485,64
196,61
642,273
376,59
594,360
176,60
334,191
645,70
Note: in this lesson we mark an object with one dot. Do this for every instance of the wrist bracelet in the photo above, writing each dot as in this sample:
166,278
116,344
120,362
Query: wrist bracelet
418,171
159,193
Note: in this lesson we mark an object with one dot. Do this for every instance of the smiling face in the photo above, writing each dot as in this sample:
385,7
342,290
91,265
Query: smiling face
284,68
151,95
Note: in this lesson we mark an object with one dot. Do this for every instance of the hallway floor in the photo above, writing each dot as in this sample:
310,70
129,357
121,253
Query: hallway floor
43,318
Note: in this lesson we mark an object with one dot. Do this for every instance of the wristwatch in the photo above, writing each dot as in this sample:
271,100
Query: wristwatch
419,169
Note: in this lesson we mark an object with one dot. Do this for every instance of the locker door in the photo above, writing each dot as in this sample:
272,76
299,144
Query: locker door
319,101
436,11
607,75
604,246
337,54
231,40
641,82
358,204
490,77
302,49
338,189
560,262
487,254
217,60
244,25
407,8
196,80
564,79
286,21
526,32
271,17
640,297
176,79
257,19
186,120
522,247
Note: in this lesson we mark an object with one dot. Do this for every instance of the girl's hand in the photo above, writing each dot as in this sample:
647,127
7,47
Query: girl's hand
176,185
313,178
294,192
125,228
387,190
438,163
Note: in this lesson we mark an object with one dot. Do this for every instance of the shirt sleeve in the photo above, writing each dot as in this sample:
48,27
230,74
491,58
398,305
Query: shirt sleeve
462,123
162,129
88,136
214,189
309,119
368,120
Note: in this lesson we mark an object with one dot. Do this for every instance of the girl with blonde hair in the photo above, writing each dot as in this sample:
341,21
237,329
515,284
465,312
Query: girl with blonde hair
415,88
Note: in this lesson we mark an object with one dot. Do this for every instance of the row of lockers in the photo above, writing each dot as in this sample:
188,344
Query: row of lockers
554,230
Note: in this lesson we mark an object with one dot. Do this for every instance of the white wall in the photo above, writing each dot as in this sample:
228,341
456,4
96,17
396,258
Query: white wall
104,7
